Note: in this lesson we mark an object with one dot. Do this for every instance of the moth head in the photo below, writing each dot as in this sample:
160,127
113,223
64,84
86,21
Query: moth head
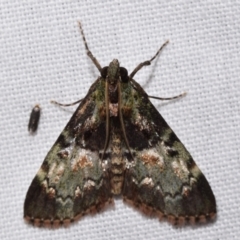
114,72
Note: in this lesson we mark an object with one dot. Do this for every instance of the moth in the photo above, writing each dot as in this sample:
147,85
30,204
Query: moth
117,143
34,119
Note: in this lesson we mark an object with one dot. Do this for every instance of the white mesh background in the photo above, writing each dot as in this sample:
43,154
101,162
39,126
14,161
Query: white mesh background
42,57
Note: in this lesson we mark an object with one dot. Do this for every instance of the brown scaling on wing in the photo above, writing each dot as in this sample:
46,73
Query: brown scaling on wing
84,162
77,193
127,111
83,108
141,122
102,112
63,154
81,162
186,191
152,159
51,193
149,159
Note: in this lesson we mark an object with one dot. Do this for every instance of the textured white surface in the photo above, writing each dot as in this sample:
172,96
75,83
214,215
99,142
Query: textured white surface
43,58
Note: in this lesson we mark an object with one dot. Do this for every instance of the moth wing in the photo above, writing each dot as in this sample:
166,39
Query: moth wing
163,177
72,179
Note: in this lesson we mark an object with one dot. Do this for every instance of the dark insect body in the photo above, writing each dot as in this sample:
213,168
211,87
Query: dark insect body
34,119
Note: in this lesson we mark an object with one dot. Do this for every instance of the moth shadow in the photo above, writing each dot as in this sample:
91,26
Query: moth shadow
151,76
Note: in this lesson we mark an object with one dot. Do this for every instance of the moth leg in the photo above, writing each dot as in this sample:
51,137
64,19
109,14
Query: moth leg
89,53
170,98
148,62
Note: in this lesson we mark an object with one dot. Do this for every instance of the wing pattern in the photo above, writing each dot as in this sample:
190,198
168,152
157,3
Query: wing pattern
117,143
72,180
163,176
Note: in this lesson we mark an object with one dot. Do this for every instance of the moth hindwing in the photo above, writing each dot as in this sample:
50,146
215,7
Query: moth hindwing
117,143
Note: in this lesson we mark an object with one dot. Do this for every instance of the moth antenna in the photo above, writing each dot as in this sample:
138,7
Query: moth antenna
148,62
65,105
89,53
107,120
121,120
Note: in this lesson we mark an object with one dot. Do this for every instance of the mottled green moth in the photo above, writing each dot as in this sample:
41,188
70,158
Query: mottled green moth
117,143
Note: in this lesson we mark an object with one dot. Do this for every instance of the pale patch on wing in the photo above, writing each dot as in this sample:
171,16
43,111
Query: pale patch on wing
167,149
64,153
89,184
142,122
147,181
81,161
180,169
185,191
193,181
78,192
41,174
184,166
104,165
55,172
51,170
59,172
134,180
152,157
50,192
89,122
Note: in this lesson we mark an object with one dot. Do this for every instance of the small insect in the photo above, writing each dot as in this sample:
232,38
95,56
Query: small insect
117,143
34,119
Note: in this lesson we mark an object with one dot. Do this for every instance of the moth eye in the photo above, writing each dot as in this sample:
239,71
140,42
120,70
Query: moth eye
124,74
104,72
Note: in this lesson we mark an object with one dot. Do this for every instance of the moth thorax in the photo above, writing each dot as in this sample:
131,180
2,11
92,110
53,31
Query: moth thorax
113,93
